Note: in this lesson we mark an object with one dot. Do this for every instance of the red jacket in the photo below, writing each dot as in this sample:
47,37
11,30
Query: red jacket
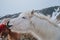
2,26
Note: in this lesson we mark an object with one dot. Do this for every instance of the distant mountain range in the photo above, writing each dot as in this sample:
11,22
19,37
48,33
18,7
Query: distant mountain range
10,16
46,11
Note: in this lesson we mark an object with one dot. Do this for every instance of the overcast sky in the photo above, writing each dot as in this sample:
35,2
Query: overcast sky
15,6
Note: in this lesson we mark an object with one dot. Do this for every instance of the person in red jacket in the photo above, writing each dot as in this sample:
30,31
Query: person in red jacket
3,24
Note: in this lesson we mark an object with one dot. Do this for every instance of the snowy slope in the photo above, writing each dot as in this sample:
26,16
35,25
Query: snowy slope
52,12
46,12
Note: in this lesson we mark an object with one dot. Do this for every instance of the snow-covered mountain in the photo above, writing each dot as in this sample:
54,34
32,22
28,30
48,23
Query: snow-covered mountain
51,11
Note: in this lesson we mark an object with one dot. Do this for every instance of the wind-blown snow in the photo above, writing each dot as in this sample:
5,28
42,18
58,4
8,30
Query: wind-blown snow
55,14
